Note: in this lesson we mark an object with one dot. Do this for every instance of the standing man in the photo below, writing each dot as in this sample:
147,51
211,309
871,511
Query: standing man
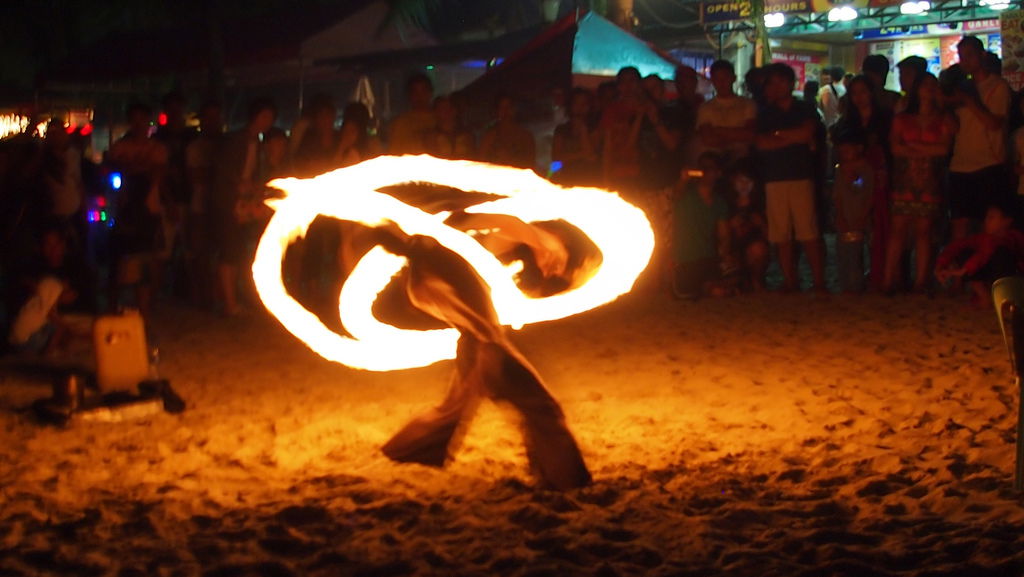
725,124
138,236
830,94
683,116
411,130
876,68
238,186
200,166
175,135
783,143
507,141
977,171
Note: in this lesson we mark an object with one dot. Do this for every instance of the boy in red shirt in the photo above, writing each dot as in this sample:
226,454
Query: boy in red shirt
981,259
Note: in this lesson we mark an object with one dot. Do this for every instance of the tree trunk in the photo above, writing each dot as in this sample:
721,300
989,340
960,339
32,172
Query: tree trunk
762,47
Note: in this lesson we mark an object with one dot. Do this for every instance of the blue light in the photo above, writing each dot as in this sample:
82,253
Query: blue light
556,165
115,180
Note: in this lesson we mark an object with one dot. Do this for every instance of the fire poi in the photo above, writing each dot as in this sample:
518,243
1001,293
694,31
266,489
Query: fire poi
465,269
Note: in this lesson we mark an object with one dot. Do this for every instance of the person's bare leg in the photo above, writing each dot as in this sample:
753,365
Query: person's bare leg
227,275
923,248
961,227
787,262
981,294
897,237
815,251
757,263
148,288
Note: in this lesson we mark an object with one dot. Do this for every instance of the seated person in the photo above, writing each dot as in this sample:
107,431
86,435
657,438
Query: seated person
748,227
54,288
981,259
700,231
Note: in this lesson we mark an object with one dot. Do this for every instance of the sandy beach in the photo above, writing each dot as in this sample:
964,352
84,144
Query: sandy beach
761,436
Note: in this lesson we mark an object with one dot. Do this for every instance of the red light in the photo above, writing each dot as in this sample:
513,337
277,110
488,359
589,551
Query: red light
101,201
86,130
69,129
162,119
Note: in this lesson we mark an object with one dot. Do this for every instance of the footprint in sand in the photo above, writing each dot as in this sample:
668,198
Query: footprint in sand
535,519
297,515
266,569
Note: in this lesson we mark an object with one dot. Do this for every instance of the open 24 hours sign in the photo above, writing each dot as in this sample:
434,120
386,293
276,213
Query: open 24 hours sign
714,11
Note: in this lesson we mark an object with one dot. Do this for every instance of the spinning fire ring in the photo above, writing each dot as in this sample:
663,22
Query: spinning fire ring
620,231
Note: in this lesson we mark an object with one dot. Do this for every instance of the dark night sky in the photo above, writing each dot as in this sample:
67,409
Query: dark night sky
37,35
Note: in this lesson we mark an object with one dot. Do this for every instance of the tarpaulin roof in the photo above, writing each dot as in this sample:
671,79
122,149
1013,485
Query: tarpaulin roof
602,48
579,44
313,33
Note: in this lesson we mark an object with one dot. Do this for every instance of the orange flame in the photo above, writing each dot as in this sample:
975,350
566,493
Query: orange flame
620,231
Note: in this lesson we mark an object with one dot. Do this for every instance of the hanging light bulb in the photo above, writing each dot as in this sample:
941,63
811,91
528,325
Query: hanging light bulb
915,7
842,14
994,4
774,20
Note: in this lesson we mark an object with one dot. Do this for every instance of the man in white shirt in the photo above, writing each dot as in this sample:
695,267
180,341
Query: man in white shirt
977,170
830,94
725,124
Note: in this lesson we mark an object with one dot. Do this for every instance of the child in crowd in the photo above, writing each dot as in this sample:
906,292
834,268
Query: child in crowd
981,259
853,189
700,232
748,227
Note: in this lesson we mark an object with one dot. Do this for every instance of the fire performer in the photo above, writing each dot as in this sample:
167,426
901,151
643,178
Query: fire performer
573,248
441,284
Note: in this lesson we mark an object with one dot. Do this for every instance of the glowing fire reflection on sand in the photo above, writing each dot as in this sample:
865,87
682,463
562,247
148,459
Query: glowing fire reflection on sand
618,229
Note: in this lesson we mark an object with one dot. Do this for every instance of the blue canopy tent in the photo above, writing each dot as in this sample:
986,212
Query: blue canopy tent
602,48
581,49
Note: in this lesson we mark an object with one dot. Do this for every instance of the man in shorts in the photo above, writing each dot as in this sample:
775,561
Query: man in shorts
977,170
725,124
785,157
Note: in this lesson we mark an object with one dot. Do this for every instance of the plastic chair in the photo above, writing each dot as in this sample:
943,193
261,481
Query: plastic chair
1008,297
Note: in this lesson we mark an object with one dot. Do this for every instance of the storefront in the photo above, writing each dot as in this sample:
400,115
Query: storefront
936,43
813,34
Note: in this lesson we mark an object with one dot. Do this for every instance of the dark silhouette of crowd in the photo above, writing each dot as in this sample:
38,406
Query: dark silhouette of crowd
738,186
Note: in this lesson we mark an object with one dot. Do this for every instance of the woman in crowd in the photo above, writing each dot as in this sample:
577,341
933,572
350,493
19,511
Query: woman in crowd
921,140
318,142
355,143
864,115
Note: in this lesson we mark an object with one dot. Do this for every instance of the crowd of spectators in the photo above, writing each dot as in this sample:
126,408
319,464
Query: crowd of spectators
732,183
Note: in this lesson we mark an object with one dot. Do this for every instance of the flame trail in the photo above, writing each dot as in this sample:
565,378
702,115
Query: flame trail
620,231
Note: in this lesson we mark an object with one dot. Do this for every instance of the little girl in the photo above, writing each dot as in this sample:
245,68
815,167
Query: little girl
854,187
